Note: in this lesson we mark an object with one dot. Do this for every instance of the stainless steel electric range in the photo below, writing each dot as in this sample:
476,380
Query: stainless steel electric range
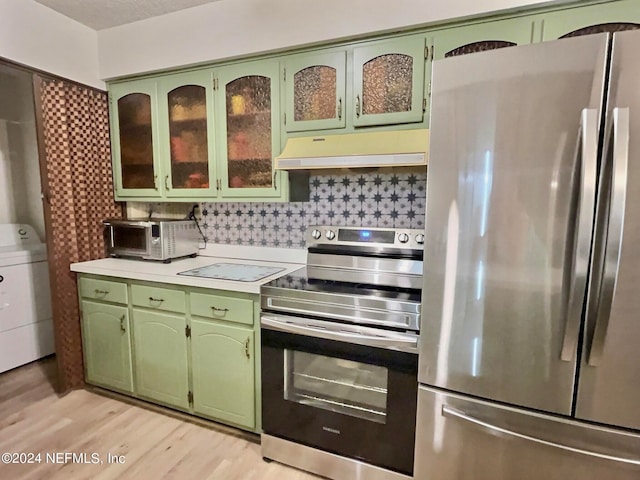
339,355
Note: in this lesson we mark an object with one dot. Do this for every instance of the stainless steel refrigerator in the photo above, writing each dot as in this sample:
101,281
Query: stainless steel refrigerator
530,343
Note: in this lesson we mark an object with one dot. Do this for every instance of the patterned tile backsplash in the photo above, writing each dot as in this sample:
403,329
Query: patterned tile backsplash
395,199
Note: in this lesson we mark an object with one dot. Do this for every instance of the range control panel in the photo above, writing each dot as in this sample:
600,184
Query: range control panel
378,237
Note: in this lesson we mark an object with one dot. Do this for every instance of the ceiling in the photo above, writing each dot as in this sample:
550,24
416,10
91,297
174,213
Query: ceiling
101,14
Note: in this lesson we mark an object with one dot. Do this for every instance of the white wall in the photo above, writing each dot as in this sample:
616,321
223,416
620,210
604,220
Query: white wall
35,35
230,28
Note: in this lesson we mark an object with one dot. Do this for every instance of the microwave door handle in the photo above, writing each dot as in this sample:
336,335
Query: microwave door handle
614,232
450,412
107,233
409,344
587,151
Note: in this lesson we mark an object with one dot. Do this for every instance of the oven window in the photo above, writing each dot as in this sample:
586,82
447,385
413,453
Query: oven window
130,238
338,385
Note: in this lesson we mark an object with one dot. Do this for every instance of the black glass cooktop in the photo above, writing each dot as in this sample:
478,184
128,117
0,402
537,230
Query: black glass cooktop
299,280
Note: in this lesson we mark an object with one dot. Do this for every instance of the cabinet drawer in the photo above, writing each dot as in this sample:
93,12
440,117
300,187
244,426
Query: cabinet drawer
104,290
222,308
158,298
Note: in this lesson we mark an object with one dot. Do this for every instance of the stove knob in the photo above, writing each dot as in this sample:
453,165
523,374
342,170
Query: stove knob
316,234
420,238
403,238
330,235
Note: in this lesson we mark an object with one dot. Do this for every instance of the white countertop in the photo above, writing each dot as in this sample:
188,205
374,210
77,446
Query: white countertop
168,272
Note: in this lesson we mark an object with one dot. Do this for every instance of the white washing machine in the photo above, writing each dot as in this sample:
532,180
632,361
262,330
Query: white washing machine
26,326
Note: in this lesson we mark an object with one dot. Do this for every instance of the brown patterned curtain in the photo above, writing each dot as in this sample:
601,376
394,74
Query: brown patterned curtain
73,134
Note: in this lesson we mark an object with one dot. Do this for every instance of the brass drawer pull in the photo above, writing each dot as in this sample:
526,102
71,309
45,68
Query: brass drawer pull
122,329
101,292
216,309
159,300
246,348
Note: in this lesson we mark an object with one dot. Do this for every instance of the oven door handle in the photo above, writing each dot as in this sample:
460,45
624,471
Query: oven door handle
404,342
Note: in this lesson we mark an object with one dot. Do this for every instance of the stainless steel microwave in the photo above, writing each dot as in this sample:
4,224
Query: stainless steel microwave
151,239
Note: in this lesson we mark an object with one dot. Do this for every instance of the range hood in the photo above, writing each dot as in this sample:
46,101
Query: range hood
368,149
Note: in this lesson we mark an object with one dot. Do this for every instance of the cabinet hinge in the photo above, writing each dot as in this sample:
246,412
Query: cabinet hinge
187,331
190,397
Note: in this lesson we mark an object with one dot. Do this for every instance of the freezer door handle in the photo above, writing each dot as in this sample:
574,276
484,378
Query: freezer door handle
614,232
450,412
588,154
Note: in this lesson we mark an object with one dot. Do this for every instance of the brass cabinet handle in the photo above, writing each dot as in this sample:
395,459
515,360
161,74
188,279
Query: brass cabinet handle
122,328
275,183
247,352
166,182
155,182
159,300
101,292
340,108
216,309
358,105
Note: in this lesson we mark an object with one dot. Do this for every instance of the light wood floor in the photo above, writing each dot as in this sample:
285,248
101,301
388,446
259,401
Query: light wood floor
33,419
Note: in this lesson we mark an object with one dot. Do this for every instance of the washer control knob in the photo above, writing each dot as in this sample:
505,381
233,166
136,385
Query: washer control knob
22,232
331,235
420,238
316,234
403,238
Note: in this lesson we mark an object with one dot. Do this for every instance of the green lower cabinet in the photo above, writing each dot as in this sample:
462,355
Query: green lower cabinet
223,372
161,362
107,345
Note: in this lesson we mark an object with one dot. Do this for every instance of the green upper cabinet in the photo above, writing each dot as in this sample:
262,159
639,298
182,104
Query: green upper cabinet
248,130
605,17
482,36
185,105
177,138
135,139
223,372
388,81
161,360
315,91
107,345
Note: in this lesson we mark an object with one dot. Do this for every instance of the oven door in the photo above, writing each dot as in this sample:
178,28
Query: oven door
128,239
340,388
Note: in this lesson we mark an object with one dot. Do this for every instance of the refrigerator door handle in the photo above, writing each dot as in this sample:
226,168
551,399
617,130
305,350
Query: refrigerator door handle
614,232
588,148
448,411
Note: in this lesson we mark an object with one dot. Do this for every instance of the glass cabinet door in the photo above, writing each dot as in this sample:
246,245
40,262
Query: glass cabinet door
186,106
389,82
610,17
483,36
315,91
248,136
134,139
